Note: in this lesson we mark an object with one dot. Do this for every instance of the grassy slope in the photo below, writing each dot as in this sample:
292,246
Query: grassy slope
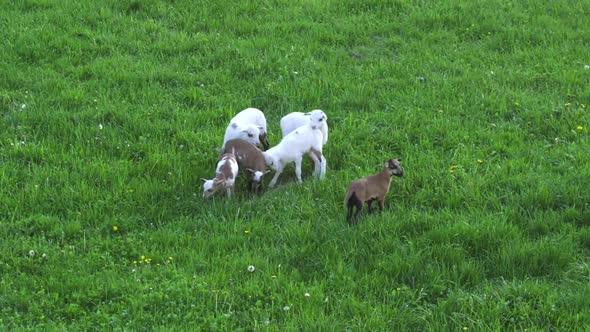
493,91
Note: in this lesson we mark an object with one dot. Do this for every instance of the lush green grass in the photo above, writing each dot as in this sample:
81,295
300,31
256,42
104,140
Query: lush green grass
112,111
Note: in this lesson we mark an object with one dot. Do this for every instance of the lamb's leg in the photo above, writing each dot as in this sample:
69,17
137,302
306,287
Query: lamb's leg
316,163
381,203
298,169
275,177
323,167
228,191
359,208
349,213
370,206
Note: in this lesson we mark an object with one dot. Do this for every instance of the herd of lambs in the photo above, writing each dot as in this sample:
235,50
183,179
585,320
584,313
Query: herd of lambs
303,133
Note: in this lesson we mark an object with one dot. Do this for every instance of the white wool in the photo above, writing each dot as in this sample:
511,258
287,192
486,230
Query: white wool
251,116
245,132
294,120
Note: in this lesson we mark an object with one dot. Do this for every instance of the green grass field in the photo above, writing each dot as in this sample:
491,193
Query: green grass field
111,112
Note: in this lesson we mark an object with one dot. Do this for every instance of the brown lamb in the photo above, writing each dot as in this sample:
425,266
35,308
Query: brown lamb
371,188
250,158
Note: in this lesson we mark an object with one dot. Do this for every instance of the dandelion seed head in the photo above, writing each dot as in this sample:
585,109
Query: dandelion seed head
251,268
32,253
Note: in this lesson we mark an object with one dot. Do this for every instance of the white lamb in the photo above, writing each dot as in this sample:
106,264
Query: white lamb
247,117
295,120
245,132
307,139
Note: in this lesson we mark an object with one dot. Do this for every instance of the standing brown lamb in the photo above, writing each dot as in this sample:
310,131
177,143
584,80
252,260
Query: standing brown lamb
371,188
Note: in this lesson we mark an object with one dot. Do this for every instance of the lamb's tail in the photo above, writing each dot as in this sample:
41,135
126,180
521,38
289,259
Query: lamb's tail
351,198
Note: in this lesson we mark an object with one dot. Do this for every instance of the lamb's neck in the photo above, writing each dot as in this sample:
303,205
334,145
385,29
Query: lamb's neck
384,174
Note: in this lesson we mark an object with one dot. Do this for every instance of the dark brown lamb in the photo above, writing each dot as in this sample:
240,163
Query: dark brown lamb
371,188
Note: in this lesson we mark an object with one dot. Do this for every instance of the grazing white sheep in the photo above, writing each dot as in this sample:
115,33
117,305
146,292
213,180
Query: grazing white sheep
371,188
305,139
295,120
251,116
245,132
249,158
225,176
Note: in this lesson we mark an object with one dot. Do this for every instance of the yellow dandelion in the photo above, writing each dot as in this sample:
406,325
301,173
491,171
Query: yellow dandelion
115,228
246,232
517,104
142,257
580,128
440,111
170,258
465,328
479,161
453,168
568,104
273,277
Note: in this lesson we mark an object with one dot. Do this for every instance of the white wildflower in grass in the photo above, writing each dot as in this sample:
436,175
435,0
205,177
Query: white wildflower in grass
251,268
44,256
326,299
307,295
32,253
586,67
286,308
100,126
23,106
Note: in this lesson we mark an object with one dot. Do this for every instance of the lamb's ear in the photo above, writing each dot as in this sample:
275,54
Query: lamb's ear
308,113
399,160
204,180
260,127
250,170
268,171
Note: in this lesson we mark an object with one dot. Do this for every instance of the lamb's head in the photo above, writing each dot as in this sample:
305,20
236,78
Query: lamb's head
394,167
249,133
210,187
317,118
256,179
269,159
